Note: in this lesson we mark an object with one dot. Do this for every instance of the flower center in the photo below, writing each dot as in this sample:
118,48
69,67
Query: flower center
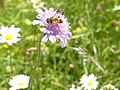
90,83
37,3
21,84
8,37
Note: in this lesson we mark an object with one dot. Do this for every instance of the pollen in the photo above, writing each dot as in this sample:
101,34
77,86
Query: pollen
8,37
21,84
37,3
90,83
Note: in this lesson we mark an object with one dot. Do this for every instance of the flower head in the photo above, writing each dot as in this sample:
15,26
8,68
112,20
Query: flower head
19,82
109,87
73,87
89,82
37,4
116,8
55,26
9,35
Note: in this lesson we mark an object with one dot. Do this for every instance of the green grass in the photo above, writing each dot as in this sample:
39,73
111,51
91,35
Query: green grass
91,29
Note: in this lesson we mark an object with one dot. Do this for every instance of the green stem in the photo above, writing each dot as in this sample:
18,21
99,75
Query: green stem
11,65
38,61
85,68
10,60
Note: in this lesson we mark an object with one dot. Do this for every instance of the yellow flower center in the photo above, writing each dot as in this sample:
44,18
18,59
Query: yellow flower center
90,83
37,3
8,37
21,84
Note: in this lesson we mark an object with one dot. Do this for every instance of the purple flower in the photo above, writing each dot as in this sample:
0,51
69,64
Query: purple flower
55,26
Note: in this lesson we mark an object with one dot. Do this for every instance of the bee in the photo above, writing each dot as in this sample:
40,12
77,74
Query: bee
54,19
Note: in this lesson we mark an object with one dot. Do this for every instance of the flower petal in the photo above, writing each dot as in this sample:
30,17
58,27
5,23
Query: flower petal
52,38
44,30
45,38
35,22
12,88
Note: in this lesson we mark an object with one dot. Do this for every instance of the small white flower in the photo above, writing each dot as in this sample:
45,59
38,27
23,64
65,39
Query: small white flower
37,4
9,35
109,87
73,87
89,82
19,82
116,8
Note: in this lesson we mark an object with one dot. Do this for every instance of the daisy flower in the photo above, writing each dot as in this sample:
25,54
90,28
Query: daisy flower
116,8
19,82
73,87
9,35
109,87
89,82
37,4
55,26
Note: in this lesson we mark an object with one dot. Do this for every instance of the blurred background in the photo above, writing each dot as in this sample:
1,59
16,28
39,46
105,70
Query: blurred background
93,48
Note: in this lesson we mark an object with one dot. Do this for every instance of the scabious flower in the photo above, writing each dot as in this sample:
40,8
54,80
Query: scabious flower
109,87
116,8
37,4
88,82
19,82
73,87
55,26
9,35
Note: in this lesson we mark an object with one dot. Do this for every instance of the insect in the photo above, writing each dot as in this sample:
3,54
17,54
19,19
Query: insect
54,19
60,9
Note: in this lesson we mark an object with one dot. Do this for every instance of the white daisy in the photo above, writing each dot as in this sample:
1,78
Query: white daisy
89,82
73,87
116,8
19,82
109,87
9,35
37,4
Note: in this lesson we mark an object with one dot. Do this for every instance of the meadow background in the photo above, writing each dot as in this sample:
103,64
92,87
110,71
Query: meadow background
93,48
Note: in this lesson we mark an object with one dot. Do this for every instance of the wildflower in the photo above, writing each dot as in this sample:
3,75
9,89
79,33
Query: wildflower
9,35
98,8
55,26
116,8
19,82
73,87
71,65
89,82
114,22
37,4
109,87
